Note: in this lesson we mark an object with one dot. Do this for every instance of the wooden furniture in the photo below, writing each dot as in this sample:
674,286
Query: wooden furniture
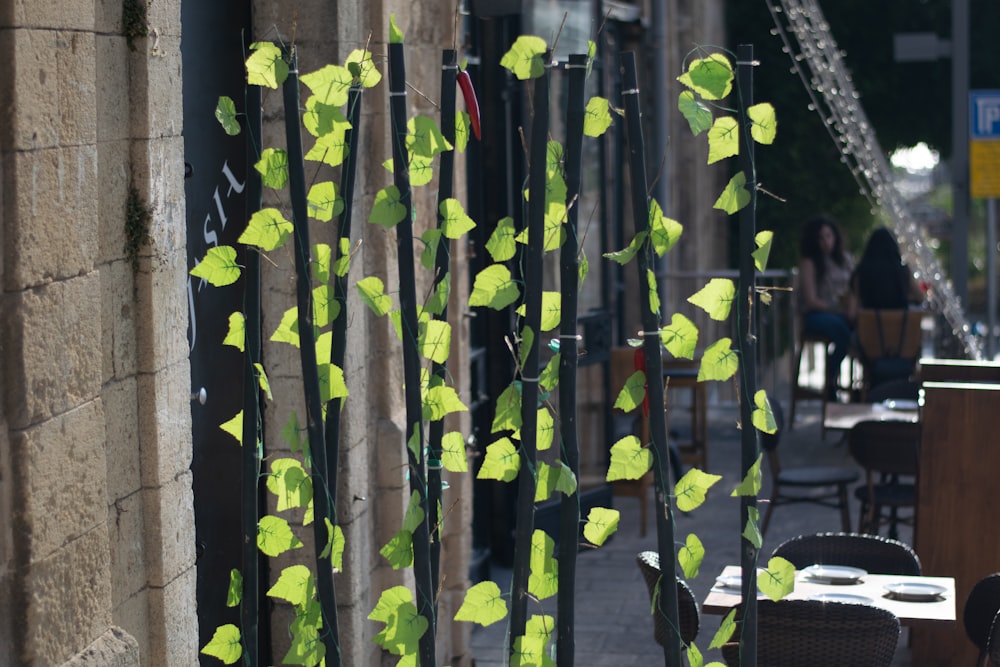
872,586
843,416
957,370
956,533
884,335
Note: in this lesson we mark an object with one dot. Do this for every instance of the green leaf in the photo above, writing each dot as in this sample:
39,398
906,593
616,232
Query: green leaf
549,377
453,455
507,413
763,251
454,221
711,77
322,119
236,336
435,340
329,84
698,116
324,203
654,294
262,380
225,113
368,75
540,626
691,556
441,401
325,305
632,394
275,536
543,577
502,461
403,632
494,287
551,310
388,209
235,593
461,130
553,478
735,196
719,361
343,263
601,524
545,429
625,255
373,295
267,230
288,329
524,59
330,148
234,427
218,267
750,486
399,550
715,298
763,417
265,66
680,337
764,124
752,530
501,245
438,301
778,580
664,232
529,652
290,483
335,544
395,34
295,585
725,631
629,459
331,382
225,644
483,604
723,139
597,117
321,257
424,137
273,168
691,489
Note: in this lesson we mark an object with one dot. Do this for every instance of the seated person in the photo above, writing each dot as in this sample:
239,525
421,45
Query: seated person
881,280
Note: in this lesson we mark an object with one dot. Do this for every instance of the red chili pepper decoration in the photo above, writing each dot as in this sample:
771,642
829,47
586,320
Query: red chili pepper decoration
471,103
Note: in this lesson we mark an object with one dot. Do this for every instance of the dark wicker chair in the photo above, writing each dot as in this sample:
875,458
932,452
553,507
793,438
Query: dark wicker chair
877,555
993,645
981,607
889,452
793,633
689,617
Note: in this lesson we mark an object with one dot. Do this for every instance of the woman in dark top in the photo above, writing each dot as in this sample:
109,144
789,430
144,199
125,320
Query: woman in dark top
881,280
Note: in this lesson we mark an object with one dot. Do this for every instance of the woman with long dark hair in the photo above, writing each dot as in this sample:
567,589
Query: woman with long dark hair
881,280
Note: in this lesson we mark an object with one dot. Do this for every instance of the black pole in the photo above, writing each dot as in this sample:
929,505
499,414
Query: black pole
525,520
654,366
569,277
411,358
307,354
745,316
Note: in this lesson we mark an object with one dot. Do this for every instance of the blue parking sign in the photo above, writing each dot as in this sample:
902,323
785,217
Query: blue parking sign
984,114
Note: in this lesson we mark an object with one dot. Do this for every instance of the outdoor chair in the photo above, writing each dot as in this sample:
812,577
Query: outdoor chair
877,555
888,451
689,618
993,645
821,485
888,344
979,616
800,390
899,389
792,633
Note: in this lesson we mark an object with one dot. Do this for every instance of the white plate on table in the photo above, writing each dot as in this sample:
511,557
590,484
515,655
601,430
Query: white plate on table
841,597
901,404
733,582
834,574
914,591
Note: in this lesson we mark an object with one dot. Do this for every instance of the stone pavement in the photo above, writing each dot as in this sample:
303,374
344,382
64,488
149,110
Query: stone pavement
613,623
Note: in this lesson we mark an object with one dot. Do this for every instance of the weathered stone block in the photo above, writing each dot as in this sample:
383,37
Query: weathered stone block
132,615
114,177
128,546
115,648
354,581
164,424
72,14
157,103
169,530
173,625
161,162
164,18
121,428
113,108
118,313
162,314
108,16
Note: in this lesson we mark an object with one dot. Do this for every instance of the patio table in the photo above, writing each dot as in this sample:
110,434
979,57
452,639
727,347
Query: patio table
843,416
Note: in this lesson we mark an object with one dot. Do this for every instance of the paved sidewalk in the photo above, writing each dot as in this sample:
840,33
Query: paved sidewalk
613,623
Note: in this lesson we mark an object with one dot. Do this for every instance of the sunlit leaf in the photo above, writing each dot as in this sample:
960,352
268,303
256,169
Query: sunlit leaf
453,455
545,429
234,427
438,300
691,489
395,34
275,536
441,401
402,632
218,267
368,75
435,340
494,287
524,59
711,77
343,263
632,394
725,631
225,113
335,543
330,148
273,168
763,417
680,337
551,310
236,336
502,461
698,116
601,524
288,328
735,196
424,137
723,139
691,555
654,293
664,232
529,652
461,130
325,305
549,377
483,604
764,124
331,382
553,478
507,412
719,361
323,201
399,550
321,119
373,294
763,251
751,531
778,580
330,84
715,298
501,245
629,459
454,221
625,255
290,483
750,486
295,585
267,230
265,386
597,117
235,593
225,644
265,66
388,209
543,577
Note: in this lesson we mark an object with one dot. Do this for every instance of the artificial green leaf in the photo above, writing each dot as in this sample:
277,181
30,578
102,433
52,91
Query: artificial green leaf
288,329
329,84
719,361
267,230
368,75
778,580
725,631
438,301
597,117
453,455
483,604
389,603
331,382
321,119
763,251
553,478
763,417
723,139
402,634
234,427
441,401
290,483
632,394
735,196
507,413
273,168
551,310
334,549
461,130
691,555
540,625
388,209
324,348
435,340
343,263
323,201
330,148
553,229
454,221
225,644
414,516
680,337
545,429
529,652
275,536
625,255
431,238
664,232
262,380
524,59
306,647
292,434
265,66
373,294
424,137
750,486
549,377
399,550
715,298
325,305
395,34
236,336
295,585
698,116
629,459
654,294
235,593
601,524
502,461
494,287
543,577
764,124
694,657
711,77
691,489
751,532
218,267
225,113
421,170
